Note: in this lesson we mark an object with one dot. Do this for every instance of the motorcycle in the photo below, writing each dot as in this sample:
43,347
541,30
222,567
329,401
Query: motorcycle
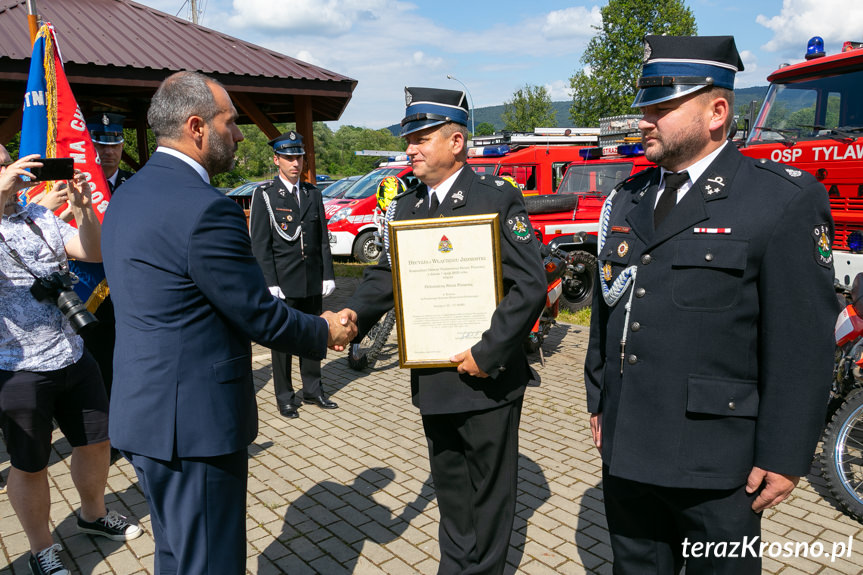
556,263
842,439
364,354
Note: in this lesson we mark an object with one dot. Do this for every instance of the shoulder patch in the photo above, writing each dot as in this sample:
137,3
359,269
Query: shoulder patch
519,229
823,245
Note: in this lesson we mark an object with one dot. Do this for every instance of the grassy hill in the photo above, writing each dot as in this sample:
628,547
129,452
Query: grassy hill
492,114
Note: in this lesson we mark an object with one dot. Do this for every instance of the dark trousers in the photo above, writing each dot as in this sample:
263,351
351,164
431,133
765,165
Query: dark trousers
655,529
310,369
99,341
198,512
474,465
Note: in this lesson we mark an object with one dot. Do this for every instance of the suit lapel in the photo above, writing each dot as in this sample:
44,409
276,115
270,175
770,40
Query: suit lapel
306,202
419,203
456,198
640,216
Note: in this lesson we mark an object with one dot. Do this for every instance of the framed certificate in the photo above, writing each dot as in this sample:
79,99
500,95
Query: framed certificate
447,282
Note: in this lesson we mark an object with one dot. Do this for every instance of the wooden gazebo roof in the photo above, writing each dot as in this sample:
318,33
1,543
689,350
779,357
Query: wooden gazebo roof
117,52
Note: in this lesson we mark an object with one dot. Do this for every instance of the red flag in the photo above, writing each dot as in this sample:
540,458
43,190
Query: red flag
67,135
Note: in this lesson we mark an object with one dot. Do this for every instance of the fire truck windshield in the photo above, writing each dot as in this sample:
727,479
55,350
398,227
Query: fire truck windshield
824,107
595,179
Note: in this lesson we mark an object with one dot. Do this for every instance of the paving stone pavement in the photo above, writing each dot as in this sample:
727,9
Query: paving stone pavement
348,491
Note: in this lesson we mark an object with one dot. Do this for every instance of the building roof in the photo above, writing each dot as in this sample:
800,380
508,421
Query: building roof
116,52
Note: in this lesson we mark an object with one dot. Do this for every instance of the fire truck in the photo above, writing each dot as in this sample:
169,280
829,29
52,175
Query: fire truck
812,119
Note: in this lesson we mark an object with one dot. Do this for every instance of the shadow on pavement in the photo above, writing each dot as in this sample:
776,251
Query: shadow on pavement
363,519
533,491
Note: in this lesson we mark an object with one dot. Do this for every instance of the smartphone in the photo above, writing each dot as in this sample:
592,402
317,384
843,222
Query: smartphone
53,169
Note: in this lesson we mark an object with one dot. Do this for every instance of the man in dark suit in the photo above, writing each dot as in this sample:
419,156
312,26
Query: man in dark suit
189,296
470,412
291,243
710,354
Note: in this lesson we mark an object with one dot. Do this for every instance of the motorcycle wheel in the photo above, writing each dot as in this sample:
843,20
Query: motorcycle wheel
842,455
364,354
578,286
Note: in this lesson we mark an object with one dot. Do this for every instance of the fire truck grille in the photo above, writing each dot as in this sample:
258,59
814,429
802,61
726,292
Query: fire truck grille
854,208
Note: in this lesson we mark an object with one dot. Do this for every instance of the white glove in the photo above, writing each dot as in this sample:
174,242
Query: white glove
277,292
328,287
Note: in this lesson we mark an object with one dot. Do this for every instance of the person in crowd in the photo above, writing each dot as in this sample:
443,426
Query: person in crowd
710,355
46,374
106,131
470,412
189,297
291,244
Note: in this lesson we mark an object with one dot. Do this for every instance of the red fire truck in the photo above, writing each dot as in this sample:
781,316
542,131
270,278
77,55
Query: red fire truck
812,119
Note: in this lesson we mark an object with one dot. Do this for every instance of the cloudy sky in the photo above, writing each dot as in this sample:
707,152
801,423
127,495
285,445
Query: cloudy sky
494,47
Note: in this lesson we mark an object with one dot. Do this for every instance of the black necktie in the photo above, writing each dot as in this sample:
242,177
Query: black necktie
668,199
433,205
296,193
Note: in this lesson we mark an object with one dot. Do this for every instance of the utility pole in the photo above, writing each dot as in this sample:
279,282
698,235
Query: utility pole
194,7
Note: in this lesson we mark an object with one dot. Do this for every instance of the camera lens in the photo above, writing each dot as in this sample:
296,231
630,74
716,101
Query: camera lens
75,311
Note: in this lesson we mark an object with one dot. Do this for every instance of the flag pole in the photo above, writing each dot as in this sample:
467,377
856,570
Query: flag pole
32,20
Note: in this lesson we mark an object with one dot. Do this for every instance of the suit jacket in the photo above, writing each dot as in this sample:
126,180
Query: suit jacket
300,266
499,352
189,296
728,357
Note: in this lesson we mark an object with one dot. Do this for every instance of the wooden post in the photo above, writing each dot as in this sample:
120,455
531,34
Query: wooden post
303,118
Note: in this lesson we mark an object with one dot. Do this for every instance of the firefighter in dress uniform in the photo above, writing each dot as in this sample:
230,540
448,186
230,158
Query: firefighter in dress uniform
470,413
710,349
291,243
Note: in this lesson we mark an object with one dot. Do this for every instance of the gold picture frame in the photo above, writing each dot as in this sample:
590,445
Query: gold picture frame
447,282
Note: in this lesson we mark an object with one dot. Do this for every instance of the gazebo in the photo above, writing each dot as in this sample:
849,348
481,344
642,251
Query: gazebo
117,52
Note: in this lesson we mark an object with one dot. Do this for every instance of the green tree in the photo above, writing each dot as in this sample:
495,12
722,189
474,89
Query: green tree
529,108
606,85
484,129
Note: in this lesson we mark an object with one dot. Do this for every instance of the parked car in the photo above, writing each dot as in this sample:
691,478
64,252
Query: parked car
339,188
242,194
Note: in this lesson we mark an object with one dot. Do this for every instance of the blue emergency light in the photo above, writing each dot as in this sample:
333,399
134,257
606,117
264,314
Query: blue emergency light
855,242
815,49
489,151
590,153
630,149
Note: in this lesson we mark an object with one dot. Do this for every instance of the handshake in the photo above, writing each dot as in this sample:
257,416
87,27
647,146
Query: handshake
343,328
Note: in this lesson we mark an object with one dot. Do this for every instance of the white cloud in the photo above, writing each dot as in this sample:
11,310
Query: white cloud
751,75
558,90
328,17
576,21
799,20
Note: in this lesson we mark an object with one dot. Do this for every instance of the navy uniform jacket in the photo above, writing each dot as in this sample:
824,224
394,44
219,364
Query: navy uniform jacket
189,296
299,267
122,177
499,352
729,353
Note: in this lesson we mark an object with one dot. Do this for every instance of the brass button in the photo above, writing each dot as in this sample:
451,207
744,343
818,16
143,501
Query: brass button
640,292
635,326
646,259
632,359
732,406
708,256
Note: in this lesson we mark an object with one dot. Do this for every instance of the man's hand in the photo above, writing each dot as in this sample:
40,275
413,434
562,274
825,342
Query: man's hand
276,291
328,287
466,364
78,194
10,177
596,430
343,328
777,488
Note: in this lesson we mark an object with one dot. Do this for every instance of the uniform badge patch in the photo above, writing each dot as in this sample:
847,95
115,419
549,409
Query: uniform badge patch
444,246
606,272
622,249
823,247
284,226
458,196
520,229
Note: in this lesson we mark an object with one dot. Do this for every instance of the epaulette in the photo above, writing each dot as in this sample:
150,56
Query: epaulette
645,172
266,185
793,174
495,182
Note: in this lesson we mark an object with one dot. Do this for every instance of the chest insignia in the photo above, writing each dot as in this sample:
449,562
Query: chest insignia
419,203
290,218
284,226
458,196
622,249
621,229
606,272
